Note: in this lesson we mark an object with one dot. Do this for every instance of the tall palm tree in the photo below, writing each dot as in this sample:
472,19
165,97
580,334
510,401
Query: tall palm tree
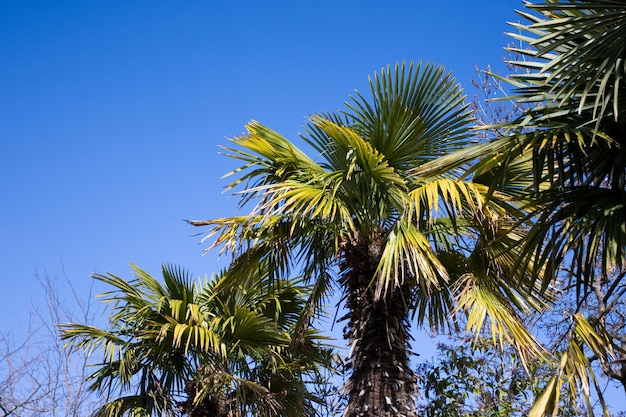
194,348
397,241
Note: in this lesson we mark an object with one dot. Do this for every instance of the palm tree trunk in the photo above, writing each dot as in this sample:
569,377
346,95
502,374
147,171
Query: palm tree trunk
382,382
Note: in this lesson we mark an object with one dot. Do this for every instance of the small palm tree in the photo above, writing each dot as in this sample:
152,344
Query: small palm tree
398,240
194,348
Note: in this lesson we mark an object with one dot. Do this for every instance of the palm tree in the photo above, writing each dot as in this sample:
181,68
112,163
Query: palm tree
396,241
572,62
576,129
194,348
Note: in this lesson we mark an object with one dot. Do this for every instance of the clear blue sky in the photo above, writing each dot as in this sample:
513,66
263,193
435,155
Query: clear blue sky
111,113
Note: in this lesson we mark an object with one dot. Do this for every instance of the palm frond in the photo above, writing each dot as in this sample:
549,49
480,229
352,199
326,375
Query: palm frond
133,406
417,113
586,222
575,371
487,309
449,195
92,339
587,36
408,256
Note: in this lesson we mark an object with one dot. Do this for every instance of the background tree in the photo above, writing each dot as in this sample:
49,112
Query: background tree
478,380
38,377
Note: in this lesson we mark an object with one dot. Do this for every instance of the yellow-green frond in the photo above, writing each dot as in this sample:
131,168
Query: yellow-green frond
486,310
575,374
408,255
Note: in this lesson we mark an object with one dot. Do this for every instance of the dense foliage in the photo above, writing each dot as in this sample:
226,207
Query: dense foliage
477,380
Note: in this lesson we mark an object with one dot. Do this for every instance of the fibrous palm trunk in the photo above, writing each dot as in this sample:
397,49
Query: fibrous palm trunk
381,382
